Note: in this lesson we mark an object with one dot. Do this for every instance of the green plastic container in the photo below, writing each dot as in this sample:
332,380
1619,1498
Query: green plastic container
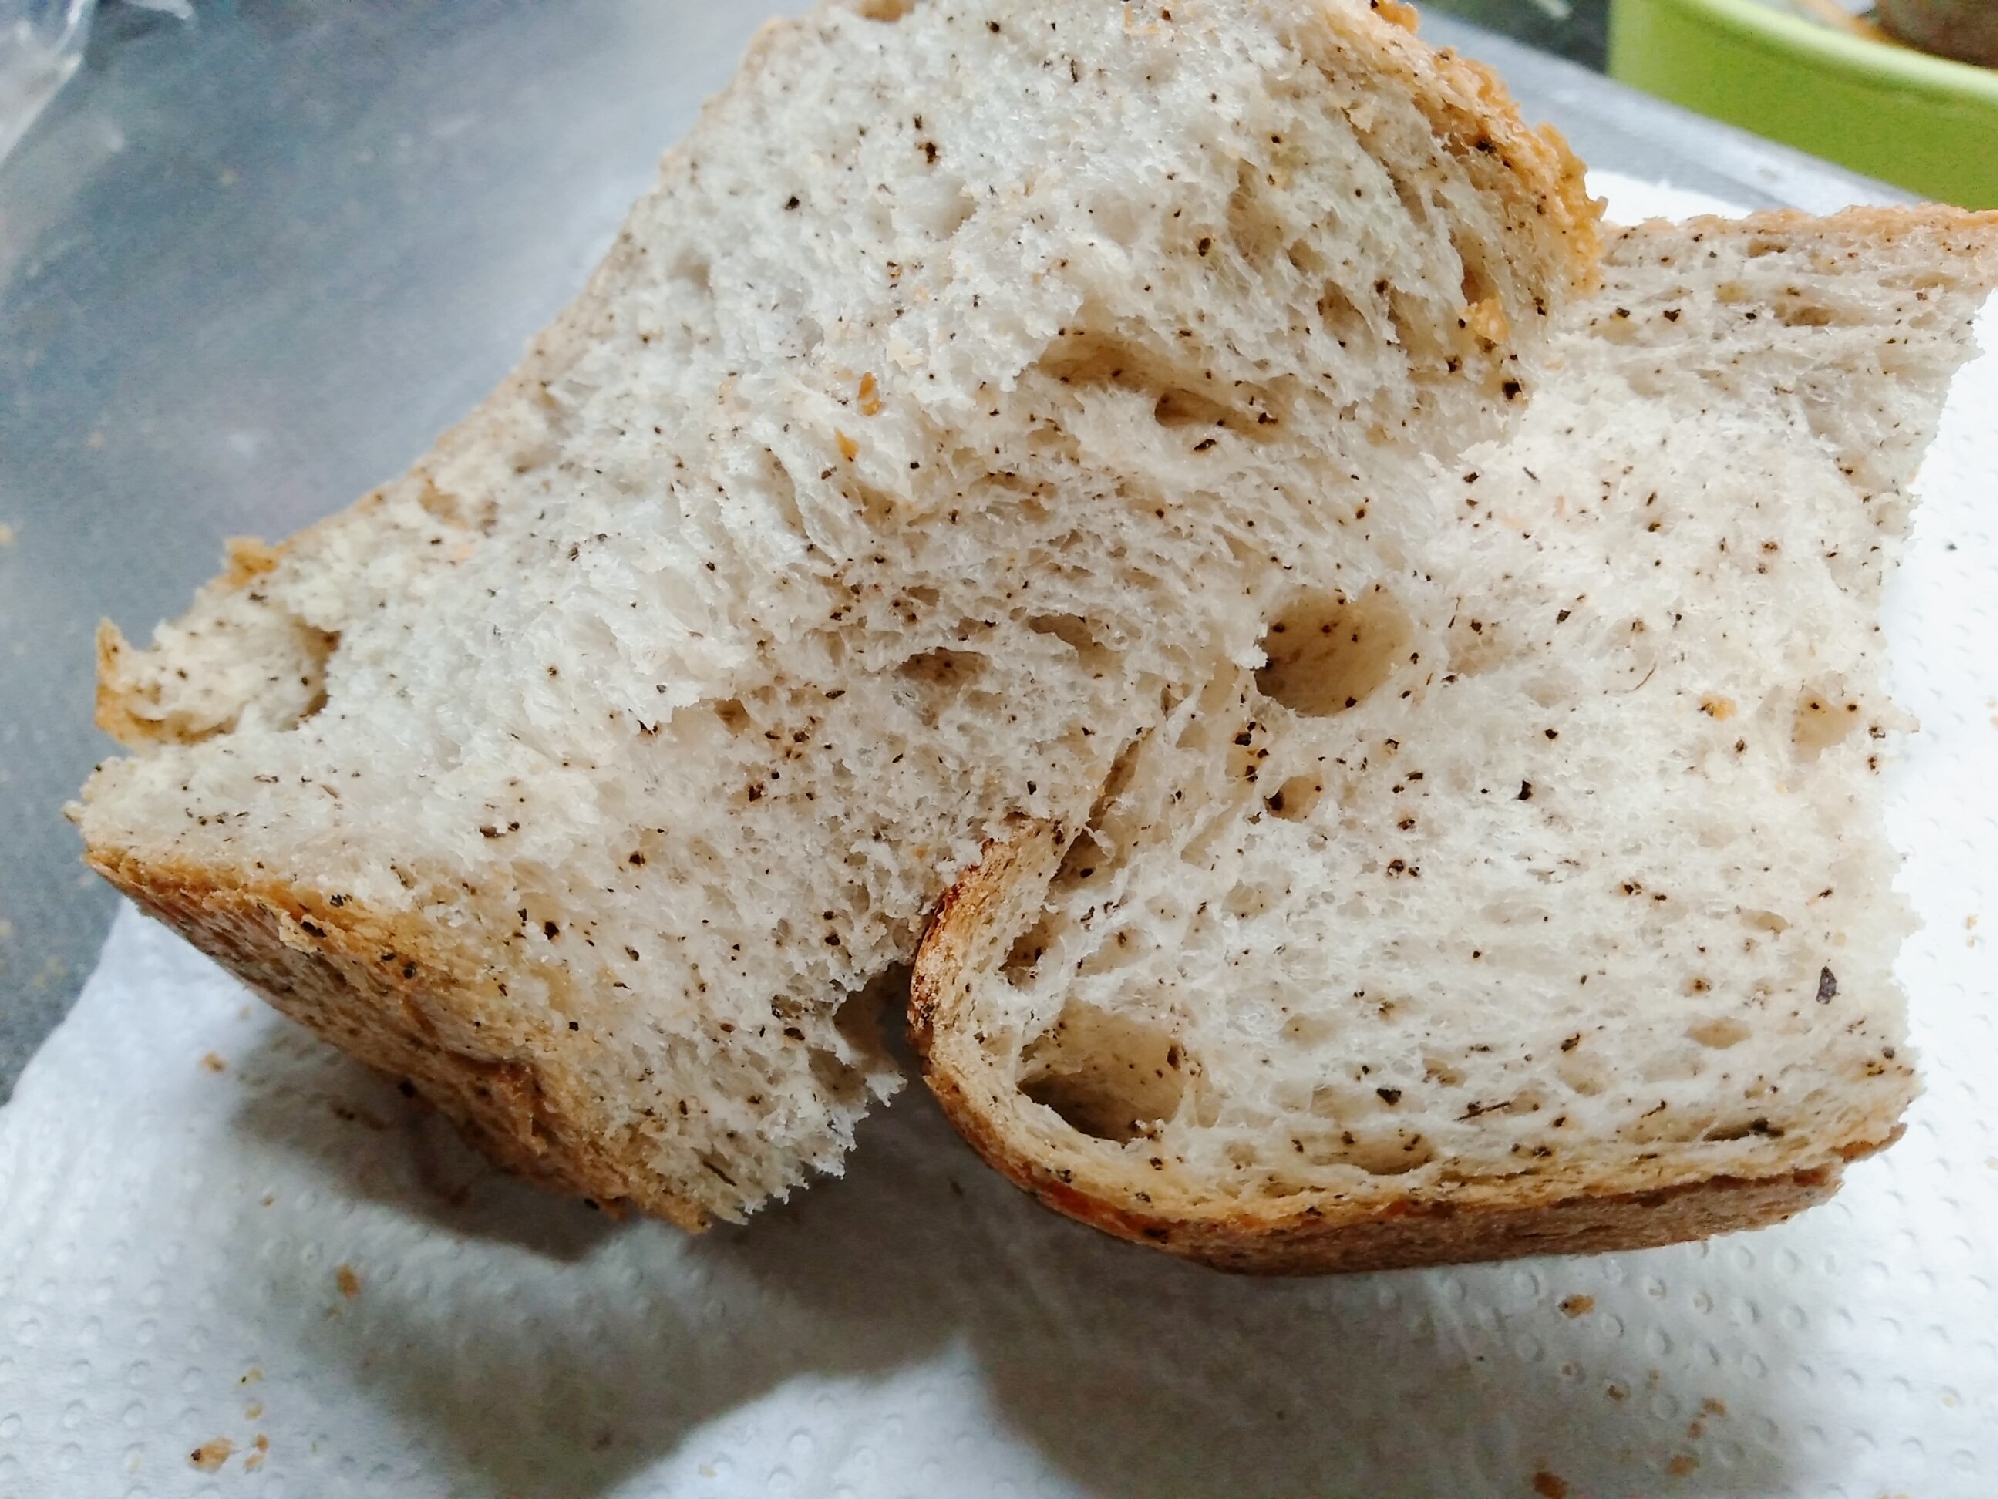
1921,122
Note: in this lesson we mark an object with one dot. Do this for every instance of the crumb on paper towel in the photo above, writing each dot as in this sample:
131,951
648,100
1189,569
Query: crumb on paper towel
214,1063
1550,1485
254,1375
348,1282
1713,1407
7,540
210,1456
256,1459
253,1411
1682,1465
1577,1306
1617,1392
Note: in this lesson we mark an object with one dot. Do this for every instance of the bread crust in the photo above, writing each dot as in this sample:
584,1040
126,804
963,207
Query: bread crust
1470,107
389,993
1640,1206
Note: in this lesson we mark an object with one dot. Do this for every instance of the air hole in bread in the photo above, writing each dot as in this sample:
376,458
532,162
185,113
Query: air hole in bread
1249,900
1074,632
1023,959
1296,798
1742,1130
1108,1076
1085,864
694,272
1765,921
1257,230
316,648
1342,319
1184,398
1719,1033
1386,1152
1800,312
1822,719
861,1024
1583,1073
734,717
1328,653
943,668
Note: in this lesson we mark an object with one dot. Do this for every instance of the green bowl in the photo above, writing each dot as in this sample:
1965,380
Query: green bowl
1921,122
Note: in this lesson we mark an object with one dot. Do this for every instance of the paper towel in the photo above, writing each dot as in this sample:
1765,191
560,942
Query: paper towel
233,1262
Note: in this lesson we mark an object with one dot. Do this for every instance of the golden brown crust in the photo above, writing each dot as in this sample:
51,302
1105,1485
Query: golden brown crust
387,993
116,694
1967,230
1636,1205
1468,105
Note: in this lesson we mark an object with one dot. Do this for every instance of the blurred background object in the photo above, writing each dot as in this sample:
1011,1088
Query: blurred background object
41,45
1964,29
1820,76
1575,29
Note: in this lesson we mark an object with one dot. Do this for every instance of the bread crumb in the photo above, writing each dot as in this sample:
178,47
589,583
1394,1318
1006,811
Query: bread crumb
210,1456
1617,1392
254,1376
1550,1485
1713,1407
256,1459
7,540
1578,1306
253,1411
348,1282
1681,1465
214,1063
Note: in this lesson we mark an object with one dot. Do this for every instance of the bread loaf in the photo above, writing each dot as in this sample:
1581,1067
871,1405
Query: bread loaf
879,490
1519,886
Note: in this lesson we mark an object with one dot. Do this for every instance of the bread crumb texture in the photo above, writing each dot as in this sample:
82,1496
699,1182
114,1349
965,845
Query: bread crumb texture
1533,865
974,385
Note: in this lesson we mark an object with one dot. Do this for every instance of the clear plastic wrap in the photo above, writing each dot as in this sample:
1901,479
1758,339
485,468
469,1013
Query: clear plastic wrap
41,46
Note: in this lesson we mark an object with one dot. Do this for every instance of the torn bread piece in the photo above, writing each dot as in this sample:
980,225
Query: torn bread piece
879,488
1530,893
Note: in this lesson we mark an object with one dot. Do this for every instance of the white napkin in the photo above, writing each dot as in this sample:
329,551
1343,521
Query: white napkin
231,1261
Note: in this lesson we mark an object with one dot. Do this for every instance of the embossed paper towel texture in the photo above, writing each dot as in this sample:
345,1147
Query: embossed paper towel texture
232,1262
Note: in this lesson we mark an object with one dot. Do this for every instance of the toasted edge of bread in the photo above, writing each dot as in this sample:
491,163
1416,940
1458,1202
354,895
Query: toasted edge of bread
360,983
1315,1232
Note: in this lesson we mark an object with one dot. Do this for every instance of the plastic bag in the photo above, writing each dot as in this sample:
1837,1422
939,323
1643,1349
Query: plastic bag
41,45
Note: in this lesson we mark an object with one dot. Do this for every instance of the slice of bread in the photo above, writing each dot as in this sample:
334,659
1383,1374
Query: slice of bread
968,373
1532,895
